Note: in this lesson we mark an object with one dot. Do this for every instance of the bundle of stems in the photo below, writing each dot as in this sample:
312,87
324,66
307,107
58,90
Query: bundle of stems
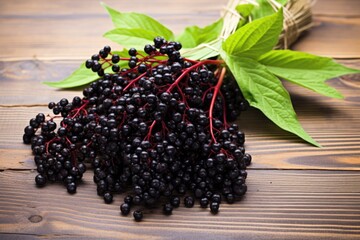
297,19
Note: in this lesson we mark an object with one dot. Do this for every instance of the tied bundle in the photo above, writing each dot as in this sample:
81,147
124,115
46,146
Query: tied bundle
297,18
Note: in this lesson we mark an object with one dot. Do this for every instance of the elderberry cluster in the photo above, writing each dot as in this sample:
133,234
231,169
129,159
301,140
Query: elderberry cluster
157,129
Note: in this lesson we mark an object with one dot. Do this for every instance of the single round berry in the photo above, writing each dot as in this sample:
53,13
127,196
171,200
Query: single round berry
189,201
128,199
216,198
40,180
89,63
132,52
138,215
167,209
107,49
175,201
51,105
71,188
115,58
125,209
247,159
214,207
40,118
115,68
108,198
204,202
103,53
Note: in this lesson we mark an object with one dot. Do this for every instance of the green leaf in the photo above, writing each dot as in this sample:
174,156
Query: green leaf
244,10
138,20
79,77
265,91
203,51
82,75
265,9
134,37
255,38
194,35
306,70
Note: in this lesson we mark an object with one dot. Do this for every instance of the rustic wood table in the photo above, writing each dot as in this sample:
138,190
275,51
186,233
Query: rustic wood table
296,191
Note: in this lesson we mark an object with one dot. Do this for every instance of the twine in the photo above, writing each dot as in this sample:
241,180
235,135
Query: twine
297,19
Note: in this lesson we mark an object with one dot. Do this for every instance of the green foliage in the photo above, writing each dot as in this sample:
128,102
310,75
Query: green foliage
247,53
194,35
306,70
255,38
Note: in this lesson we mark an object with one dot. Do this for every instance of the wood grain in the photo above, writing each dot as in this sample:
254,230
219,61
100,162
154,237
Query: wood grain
70,30
67,30
296,191
337,8
278,205
332,38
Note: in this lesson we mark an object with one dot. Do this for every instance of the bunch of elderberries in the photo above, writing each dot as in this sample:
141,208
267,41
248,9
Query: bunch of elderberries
158,129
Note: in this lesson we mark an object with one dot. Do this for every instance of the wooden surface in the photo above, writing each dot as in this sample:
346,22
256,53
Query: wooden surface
296,191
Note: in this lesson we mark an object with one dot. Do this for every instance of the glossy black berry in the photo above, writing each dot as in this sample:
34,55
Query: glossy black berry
128,199
71,188
40,180
108,198
132,52
40,118
125,209
214,207
89,63
204,202
138,215
189,201
175,201
115,58
115,68
107,49
167,209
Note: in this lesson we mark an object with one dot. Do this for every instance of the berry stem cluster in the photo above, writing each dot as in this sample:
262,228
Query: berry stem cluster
157,128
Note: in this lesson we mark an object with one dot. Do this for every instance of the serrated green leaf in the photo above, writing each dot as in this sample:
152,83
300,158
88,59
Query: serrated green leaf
265,9
194,35
138,20
255,38
265,91
306,70
134,37
82,75
244,10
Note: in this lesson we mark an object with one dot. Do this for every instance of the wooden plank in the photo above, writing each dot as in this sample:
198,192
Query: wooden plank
337,8
21,82
280,204
74,30
334,124
331,37
57,30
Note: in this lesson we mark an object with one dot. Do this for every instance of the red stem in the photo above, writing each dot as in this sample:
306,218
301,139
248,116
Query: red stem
198,64
134,81
212,104
150,130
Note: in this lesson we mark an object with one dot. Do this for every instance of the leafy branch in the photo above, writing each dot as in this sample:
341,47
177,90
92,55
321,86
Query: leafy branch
246,45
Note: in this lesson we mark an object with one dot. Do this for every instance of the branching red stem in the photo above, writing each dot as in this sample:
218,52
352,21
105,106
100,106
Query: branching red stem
213,100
